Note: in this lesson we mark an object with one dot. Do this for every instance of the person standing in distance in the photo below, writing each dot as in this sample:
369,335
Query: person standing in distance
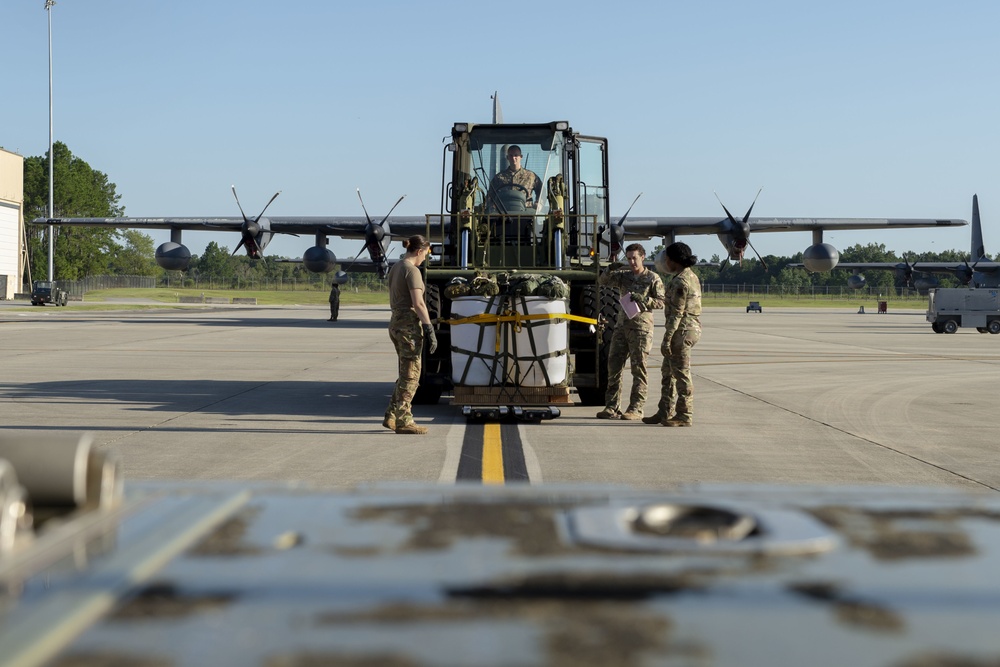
334,301
631,339
409,325
682,332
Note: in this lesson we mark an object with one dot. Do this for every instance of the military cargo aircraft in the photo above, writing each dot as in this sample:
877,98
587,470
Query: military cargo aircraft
981,272
734,234
256,232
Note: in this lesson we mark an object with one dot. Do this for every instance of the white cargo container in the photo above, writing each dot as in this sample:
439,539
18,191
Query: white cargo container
533,347
951,308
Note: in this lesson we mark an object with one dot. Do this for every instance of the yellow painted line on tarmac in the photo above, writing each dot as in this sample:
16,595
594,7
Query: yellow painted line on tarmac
492,455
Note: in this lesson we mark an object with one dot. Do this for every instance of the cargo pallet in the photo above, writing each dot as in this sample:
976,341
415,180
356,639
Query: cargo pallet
501,402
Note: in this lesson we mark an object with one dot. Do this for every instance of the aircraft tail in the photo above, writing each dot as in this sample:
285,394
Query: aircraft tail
497,111
978,249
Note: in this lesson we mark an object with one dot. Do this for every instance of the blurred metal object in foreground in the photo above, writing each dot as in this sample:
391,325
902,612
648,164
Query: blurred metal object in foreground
63,470
51,476
283,574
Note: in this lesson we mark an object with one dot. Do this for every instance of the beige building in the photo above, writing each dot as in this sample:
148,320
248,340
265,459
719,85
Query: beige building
12,260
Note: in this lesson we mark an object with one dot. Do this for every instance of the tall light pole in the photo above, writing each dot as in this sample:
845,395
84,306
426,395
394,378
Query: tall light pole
48,8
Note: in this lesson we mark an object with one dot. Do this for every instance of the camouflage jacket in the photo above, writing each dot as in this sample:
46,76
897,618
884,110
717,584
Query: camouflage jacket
683,310
525,178
647,285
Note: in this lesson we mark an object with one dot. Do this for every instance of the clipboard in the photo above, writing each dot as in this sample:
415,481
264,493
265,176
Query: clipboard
629,307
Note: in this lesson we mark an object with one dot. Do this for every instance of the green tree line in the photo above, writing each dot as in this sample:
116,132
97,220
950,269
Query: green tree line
79,252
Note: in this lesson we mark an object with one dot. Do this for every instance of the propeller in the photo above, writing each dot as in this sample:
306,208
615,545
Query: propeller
741,228
909,271
375,234
616,233
251,228
969,273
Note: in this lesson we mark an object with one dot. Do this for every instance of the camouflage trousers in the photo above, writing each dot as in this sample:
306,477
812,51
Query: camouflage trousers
677,388
634,344
335,307
408,337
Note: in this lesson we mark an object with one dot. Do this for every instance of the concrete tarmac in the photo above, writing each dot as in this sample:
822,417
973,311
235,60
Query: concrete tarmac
799,396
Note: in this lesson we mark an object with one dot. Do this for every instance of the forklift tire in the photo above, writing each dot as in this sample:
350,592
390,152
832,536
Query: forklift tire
950,326
993,327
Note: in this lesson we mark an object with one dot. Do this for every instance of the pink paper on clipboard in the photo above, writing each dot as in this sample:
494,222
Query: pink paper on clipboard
630,307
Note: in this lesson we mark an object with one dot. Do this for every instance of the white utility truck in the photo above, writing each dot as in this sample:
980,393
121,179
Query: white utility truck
951,308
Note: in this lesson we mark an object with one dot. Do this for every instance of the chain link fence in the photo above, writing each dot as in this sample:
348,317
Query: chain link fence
77,288
365,283
807,291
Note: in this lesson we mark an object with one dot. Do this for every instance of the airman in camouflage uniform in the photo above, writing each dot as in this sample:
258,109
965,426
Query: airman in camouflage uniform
632,339
409,325
524,181
682,332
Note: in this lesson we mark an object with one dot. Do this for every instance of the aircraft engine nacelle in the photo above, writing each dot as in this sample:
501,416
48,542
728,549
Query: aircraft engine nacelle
820,257
924,283
319,259
856,281
965,274
173,256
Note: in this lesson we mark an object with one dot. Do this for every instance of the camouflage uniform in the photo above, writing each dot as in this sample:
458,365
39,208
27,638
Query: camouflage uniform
525,178
334,302
632,338
683,329
407,336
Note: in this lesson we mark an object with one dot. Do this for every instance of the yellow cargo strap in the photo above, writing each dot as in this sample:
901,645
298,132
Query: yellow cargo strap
517,318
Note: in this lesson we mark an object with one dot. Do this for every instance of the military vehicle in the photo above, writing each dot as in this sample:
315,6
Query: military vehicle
948,309
548,226
46,291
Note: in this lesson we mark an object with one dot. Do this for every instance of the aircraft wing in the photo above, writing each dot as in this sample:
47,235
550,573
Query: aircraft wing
735,234
680,226
228,224
349,227
956,267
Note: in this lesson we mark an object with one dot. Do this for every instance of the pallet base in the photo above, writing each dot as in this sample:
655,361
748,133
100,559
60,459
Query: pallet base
511,396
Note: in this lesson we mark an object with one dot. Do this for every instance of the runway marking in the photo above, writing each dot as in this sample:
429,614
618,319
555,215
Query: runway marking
845,360
491,453
847,432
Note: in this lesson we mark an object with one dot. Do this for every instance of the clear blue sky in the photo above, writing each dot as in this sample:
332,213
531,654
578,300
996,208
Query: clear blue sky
846,109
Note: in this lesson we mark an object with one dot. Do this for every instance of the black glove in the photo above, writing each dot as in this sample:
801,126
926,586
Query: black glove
432,341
